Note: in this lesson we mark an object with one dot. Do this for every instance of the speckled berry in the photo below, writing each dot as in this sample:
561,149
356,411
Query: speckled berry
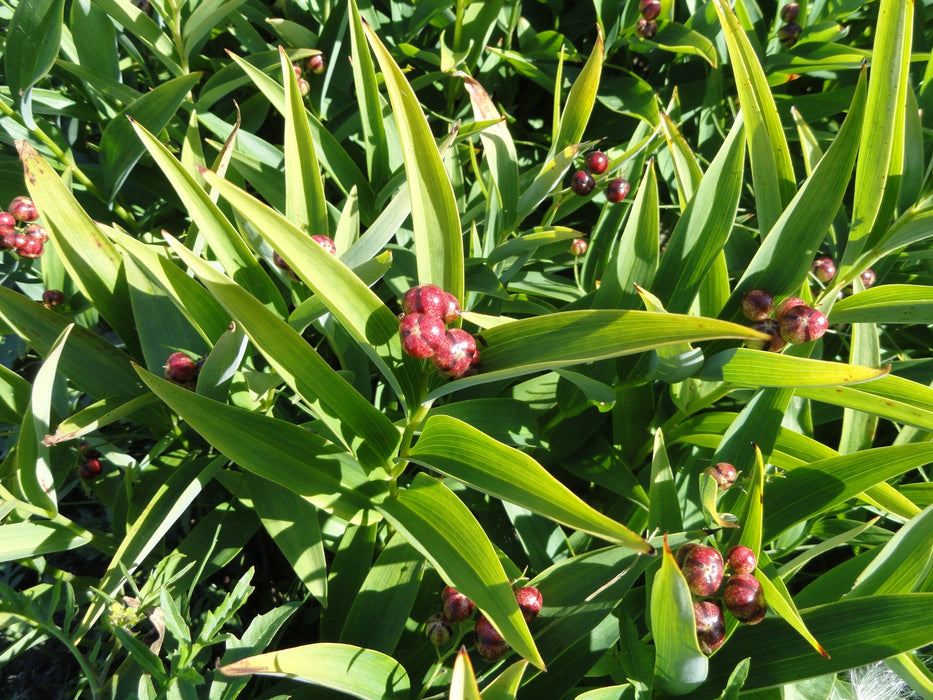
421,334
325,242
703,568
8,237
457,607
597,162
803,324
741,559
582,183
304,87
617,190
650,9
457,356
789,12
438,630
724,474
428,299
824,269
710,624
52,298
757,304
316,63
743,597
7,219
771,328
786,305
529,601
181,368
36,231
90,468
23,209
868,278
645,28
578,247
29,247
789,34
489,643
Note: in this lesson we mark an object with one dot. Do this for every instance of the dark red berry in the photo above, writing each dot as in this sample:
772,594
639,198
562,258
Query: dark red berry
7,219
789,303
757,304
710,624
457,355
428,299
582,183
489,643
23,209
743,598
180,368
703,569
597,162
789,12
7,237
741,559
438,629
325,242
421,334
29,248
803,324
617,190
90,468
868,278
316,63
646,28
52,298
36,231
457,607
772,328
530,601
578,247
824,269
650,9
724,474
789,34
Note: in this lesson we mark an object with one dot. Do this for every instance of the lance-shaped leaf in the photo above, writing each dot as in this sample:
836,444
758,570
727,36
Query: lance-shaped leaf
664,507
772,171
462,680
779,601
891,303
580,100
359,424
33,36
462,452
356,671
434,215
548,178
370,103
35,538
759,368
144,28
443,529
572,337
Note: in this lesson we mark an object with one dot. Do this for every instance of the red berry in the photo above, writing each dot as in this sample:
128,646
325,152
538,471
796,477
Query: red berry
868,278
650,9
646,28
36,231
824,269
703,568
489,643
789,12
789,303
421,334
530,601
452,309
23,209
90,468
428,299
710,624
29,247
582,183
316,63
457,607
757,304
280,261
458,355
770,327
741,559
52,298
617,190
304,87
180,368
325,242
578,247
724,474
597,162
7,219
438,630
8,237
743,598
297,69
803,324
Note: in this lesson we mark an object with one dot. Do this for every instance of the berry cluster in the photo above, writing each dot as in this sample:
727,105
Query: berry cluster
792,321
597,163
458,608
181,369
315,65
790,31
647,27
18,232
326,242
704,568
90,466
423,327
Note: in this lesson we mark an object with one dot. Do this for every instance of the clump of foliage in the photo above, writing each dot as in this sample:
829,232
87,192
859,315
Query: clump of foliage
223,476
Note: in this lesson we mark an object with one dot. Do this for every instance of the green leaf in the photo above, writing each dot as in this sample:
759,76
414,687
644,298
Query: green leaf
14,395
370,103
144,28
686,168
580,100
353,670
434,215
759,368
678,39
461,552
202,21
462,679
679,665
664,510
893,303
779,601
33,37
505,686
549,177
573,337
37,538
120,149
772,170
469,455
98,415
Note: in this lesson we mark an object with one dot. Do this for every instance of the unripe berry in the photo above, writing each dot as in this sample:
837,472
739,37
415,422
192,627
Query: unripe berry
316,63
7,219
724,474
304,87
703,568
646,28
824,269
530,601
617,190
457,607
789,303
29,248
489,643
180,368
90,468
597,162
743,598
772,328
650,9
789,12
789,34
710,624
578,247
52,298
421,334
582,183
757,304
429,299
23,209
457,356
297,69
803,324
868,278
325,242
438,630
741,559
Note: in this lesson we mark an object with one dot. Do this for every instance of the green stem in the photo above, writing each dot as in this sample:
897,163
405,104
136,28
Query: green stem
414,424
